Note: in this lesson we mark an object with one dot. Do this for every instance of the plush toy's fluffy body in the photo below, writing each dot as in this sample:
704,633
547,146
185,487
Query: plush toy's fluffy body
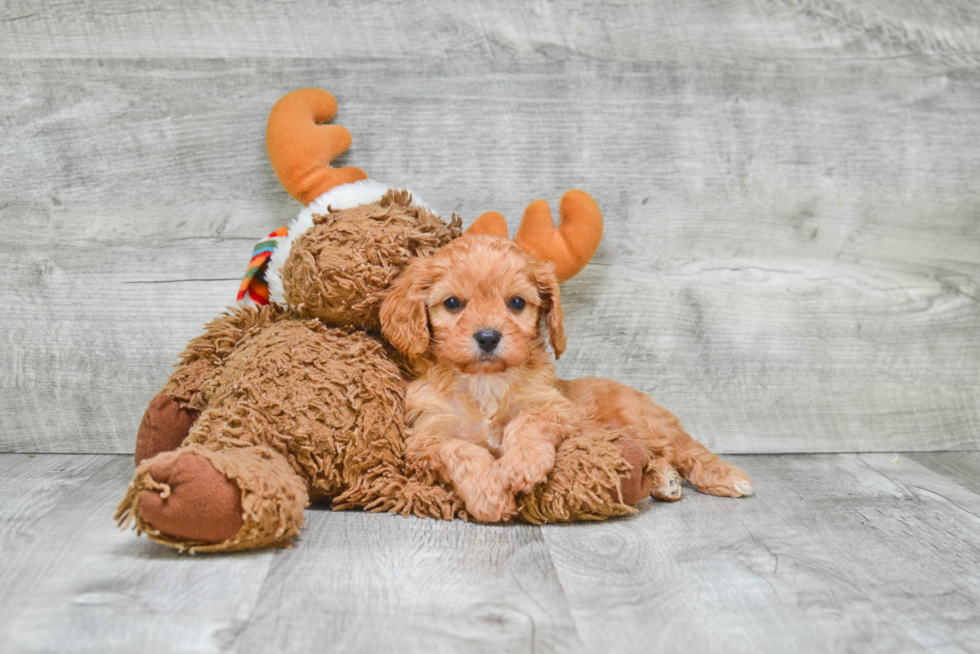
302,399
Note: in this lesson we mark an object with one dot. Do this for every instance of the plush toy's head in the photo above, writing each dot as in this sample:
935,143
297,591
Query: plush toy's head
337,260
341,268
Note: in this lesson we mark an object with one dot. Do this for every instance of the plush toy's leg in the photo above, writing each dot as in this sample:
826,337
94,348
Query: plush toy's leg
164,427
421,495
171,414
633,483
647,475
208,500
197,503
597,475
174,410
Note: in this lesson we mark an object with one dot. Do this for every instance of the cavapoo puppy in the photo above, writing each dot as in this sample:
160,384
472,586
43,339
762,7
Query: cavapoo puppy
489,410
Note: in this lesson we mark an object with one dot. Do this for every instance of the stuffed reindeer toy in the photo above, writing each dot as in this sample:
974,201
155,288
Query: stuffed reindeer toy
299,393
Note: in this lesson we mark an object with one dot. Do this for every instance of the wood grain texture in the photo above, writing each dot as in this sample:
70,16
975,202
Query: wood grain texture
909,538
93,340
841,553
382,583
75,583
960,467
791,260
711,574
835,553
443,29
30,486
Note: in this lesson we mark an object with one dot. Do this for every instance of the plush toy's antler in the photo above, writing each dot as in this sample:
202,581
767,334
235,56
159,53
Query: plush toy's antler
573,243
491,223
569,246
301,147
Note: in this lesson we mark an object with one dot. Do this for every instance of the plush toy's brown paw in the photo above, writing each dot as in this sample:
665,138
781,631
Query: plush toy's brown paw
163,428
197,503
633,484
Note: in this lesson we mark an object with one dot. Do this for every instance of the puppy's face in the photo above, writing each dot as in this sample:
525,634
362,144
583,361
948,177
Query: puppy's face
476,305
484,310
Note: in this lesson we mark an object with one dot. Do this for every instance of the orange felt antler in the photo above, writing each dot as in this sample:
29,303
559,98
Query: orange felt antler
301,147
570,245
491,223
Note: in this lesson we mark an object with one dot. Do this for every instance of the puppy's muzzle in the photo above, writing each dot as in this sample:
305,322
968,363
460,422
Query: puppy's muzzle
487,339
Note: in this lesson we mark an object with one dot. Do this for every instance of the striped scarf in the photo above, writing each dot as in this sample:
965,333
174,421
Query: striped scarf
254,284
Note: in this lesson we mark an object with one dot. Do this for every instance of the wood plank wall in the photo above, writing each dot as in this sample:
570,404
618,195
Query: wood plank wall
792,253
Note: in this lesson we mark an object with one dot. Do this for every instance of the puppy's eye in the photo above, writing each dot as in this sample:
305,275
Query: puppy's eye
453,304
516,303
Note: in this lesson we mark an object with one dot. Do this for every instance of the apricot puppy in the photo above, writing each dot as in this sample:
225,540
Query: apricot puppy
489,410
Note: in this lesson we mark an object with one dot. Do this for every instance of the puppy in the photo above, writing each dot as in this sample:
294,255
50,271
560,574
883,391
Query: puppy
488,411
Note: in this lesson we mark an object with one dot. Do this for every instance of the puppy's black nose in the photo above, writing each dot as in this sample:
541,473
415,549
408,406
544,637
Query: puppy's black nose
487,339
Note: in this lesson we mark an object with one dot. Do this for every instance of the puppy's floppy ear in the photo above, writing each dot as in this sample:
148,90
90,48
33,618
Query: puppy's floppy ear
404,320
547,283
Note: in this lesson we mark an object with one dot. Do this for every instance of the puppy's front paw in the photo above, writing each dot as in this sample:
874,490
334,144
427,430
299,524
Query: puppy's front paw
487,498
523,472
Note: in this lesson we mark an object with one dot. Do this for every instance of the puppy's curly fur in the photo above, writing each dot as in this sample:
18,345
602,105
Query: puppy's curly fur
488,411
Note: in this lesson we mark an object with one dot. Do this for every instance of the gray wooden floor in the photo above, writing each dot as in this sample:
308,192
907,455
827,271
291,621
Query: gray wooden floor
836,553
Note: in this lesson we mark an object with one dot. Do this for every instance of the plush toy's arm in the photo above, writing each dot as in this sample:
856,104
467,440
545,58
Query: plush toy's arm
174,410
569,246
209,350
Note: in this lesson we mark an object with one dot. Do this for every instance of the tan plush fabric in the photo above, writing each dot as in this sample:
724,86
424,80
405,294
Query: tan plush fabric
205,352
340,270
584,484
